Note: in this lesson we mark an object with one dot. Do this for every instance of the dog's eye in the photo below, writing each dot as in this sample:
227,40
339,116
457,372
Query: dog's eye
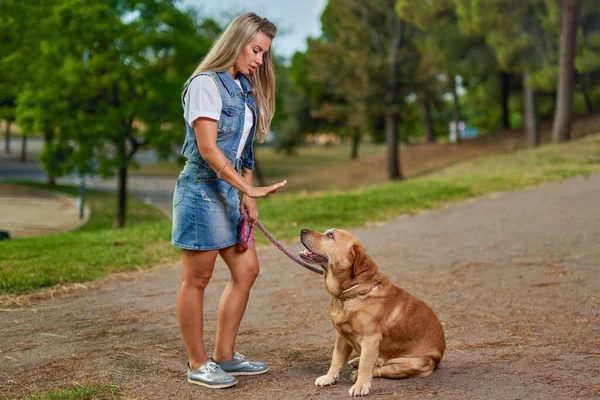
330,235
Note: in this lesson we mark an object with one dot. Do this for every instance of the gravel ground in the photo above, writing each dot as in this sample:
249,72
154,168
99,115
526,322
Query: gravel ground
513,277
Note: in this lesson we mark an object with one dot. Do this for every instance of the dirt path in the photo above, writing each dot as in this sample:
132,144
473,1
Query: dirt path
514,278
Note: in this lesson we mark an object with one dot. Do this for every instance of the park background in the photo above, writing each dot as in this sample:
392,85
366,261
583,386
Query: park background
90,108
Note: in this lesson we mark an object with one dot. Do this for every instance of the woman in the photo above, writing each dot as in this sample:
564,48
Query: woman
228,98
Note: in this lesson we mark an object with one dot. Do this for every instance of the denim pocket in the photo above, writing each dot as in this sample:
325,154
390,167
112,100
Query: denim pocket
179,189
230,119
231,110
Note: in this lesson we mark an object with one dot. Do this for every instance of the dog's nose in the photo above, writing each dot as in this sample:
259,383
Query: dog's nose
304,231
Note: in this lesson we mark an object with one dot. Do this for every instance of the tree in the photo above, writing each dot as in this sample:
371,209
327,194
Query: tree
561,129
8,37
396,38
339,61
293,118
587,62
20,33
364,63
7,112
113,74
448,55
515,30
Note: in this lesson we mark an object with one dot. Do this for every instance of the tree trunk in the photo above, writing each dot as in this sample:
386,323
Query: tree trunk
7,137
561,129
122,198
391,118
24,148
455,109
122,185
393,157
427,122
505,88
257,175
530,112
48,136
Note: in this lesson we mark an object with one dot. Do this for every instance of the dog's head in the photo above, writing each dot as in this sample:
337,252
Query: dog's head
336,251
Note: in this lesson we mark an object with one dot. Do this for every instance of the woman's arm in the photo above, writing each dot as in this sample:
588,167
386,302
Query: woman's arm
247,203
206,137
247,175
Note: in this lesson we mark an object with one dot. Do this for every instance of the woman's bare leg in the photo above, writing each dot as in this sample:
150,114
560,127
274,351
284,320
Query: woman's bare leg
198,267
244,270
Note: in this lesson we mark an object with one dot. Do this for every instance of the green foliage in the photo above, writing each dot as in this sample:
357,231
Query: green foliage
348,67
19,33
102,79
292,119
448,49
589,59
480,105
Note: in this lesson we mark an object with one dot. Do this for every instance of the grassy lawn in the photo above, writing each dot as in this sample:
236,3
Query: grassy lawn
95,251
279,165
79,392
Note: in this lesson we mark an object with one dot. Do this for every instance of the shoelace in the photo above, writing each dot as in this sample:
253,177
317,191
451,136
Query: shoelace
211,367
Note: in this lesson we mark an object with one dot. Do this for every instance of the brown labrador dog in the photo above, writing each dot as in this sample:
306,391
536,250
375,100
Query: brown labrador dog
396,334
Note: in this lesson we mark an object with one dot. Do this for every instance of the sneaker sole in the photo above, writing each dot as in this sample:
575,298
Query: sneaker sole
240,373
213,386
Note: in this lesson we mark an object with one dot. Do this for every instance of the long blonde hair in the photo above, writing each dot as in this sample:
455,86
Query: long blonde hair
224,53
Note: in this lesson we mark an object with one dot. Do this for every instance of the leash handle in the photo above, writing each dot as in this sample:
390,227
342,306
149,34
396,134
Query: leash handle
285,251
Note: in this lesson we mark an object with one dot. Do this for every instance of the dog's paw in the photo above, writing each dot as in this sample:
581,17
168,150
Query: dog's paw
359,389
326,380
353,363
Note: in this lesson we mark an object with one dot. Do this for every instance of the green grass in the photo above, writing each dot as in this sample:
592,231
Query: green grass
275,165
79,392
94,251
30,264
285,214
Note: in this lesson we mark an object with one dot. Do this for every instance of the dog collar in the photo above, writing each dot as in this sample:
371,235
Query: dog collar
342,297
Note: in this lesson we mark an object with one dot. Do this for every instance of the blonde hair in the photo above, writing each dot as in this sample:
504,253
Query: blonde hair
224,53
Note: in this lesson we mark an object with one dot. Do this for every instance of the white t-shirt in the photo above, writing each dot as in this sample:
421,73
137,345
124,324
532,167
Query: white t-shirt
203,100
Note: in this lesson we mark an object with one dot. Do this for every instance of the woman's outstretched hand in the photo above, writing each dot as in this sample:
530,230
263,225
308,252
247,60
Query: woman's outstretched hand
262,191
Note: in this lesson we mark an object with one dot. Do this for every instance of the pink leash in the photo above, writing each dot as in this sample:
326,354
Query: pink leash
246,235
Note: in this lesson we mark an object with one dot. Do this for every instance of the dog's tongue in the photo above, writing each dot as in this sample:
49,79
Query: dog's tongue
310,256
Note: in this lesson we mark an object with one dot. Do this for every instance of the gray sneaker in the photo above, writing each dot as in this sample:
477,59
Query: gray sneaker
238,365
210,375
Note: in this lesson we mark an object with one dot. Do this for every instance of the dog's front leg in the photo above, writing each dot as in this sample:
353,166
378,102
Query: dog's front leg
341,353
369,351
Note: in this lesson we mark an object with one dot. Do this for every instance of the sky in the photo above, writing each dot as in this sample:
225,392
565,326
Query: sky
295,19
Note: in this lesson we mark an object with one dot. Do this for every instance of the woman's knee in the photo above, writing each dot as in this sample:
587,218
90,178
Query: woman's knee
197,277
197,280
197,269
253,271
248,275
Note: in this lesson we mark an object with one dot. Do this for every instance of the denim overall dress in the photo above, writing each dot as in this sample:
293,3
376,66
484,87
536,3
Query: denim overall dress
206,209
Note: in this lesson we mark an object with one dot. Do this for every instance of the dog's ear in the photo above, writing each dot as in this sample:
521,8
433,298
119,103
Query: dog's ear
362,262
